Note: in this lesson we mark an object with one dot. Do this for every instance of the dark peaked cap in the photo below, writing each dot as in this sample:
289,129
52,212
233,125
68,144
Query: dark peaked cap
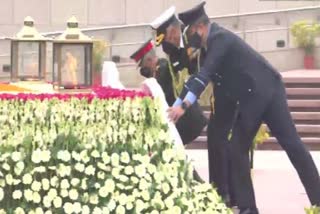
189,17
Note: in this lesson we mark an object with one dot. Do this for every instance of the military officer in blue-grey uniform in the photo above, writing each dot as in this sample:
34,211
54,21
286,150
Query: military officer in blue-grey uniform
182,59
244,77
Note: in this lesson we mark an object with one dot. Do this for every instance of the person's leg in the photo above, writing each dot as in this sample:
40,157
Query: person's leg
218,154
241,142
279,120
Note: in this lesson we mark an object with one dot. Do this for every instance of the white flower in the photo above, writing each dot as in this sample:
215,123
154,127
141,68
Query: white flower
110,185
120,210
101,175
97,185
16,156
19,210
105,157
145,195
28,195
90,170
134,179
128,170
57,202
140,206
46,154
6,166
47,201
140,170
45,184
36,186
1,194
39,210
52,194
54,181
111,205
143,184
73,194
64,155
48,212
36,156
116,172
165,188
2,211
64,170
77,207
85,209
76,156
94,199
123,178
2,183
102,166
64,193
167,155
84,184
68,208
75,181
84,156
97,210
169,202
104,191
17,194
36,197
124,157
65,184
151,168
27,179
129,206
19,168
40,169
79,167
175,209
95,154
115,159
9,179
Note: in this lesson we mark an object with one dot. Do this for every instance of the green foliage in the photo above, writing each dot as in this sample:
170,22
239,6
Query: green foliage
98,54
312,210
261,136
305,33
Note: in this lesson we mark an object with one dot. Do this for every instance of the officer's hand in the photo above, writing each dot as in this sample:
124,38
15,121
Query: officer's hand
175,113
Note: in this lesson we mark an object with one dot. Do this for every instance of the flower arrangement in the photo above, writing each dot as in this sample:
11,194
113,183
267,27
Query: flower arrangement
305,33
105,152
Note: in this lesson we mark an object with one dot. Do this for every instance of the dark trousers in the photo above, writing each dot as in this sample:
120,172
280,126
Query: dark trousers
218,146
275,113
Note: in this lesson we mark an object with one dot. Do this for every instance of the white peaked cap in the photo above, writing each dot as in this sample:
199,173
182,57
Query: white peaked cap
165,16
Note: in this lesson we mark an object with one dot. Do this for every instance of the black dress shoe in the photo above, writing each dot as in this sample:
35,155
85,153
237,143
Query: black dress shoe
249,211
229,201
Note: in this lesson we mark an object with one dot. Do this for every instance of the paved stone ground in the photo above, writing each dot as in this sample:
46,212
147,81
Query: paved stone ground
277,186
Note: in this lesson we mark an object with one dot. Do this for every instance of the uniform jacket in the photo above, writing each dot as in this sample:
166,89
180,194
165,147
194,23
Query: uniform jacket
236,69
193,121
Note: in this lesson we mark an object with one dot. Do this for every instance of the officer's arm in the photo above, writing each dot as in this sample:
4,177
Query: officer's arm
217,49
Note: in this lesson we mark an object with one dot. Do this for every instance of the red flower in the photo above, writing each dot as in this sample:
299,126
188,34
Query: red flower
99,92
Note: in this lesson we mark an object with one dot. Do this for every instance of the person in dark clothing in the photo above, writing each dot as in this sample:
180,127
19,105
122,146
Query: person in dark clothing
187,59
244,77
